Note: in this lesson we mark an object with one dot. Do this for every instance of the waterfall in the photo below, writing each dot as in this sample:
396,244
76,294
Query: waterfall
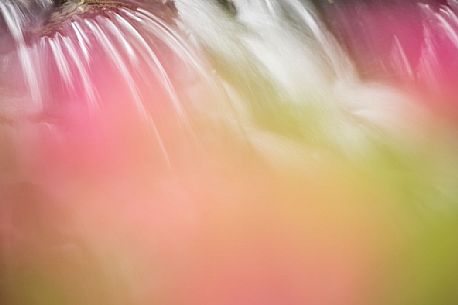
228,152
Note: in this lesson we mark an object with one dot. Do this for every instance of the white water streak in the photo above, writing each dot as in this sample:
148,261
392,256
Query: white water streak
82,39
61,60
155,65
449,30
120,37
340,63
173,41
82,71
117,60
29,70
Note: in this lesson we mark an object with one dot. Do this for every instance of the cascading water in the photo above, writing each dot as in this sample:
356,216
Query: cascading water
227,152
